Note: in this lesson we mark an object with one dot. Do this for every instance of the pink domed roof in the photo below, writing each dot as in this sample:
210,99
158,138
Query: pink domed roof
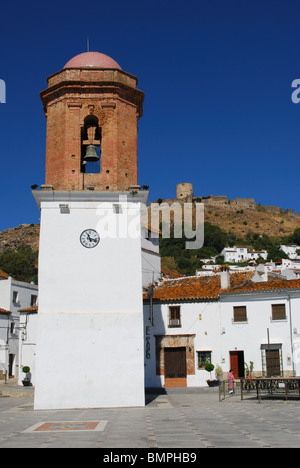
92,59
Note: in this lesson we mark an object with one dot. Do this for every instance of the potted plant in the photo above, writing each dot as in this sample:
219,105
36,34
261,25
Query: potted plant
219,373
209,367
27,379
249,370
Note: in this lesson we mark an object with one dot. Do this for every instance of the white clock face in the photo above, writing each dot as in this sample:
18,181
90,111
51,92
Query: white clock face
89,238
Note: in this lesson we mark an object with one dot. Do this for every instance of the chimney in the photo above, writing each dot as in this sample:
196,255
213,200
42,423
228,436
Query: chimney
225,277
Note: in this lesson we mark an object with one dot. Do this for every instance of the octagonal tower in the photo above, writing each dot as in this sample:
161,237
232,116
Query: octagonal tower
92,101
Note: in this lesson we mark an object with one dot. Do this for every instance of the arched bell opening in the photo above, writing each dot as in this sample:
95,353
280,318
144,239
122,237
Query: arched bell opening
91,146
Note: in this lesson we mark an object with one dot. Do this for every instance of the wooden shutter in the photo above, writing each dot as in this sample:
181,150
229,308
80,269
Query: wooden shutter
240,314
278,312
174,317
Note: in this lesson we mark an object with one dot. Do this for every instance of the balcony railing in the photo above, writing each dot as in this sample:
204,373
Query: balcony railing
173,323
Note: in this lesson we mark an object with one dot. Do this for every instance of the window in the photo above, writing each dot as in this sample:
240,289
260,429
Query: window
16,297
33,300
240,314
12,328
203,358
278,312
174,317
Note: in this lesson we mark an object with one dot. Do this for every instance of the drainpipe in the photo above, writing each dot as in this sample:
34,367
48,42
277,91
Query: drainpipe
291,334
150,294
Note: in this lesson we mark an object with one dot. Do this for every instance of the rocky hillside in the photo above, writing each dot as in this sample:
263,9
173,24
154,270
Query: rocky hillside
239,216
25,234
242,215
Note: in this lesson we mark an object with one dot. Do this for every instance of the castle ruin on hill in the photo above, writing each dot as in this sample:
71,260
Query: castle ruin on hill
185,194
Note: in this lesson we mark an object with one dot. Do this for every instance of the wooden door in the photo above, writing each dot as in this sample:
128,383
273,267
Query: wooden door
273,362
175,367
234,363
237,363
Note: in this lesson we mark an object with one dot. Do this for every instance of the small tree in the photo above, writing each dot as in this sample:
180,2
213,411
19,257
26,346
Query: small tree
209,367
249,368
219,372
27,379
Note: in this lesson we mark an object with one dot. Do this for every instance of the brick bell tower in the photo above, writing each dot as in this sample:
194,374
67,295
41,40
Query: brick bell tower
90,320
92,108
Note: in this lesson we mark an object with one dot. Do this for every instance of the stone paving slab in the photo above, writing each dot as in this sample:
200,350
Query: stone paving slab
176,420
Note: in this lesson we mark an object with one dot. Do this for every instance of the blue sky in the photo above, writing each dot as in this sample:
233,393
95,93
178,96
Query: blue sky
217,81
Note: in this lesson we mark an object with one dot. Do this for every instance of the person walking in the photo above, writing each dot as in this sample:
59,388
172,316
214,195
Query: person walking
230,381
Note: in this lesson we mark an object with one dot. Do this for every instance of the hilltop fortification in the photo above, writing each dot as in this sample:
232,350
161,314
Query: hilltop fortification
239,215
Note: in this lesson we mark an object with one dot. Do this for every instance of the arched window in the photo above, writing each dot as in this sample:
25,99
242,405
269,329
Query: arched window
91,145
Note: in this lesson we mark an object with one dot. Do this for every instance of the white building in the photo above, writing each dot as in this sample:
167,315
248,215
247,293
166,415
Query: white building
241,254
291,251
13,296
6,339
151,259
197,319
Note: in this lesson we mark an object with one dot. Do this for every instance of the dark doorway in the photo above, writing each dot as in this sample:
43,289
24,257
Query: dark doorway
237,364
10,365
175,367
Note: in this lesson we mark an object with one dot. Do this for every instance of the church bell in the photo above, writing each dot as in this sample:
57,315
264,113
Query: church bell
91,154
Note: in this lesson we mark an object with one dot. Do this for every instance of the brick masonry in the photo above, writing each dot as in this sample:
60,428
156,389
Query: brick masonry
112,96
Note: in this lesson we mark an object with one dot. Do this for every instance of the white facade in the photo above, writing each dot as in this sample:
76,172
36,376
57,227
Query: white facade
198,325
211,329
27,342
13,296
241,254
289,263
151,260
5,351
291,251
251,336
90,320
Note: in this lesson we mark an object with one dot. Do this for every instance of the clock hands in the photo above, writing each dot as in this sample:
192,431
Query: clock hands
92,239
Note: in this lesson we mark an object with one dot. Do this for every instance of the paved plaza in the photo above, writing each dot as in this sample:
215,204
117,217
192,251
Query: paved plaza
175,419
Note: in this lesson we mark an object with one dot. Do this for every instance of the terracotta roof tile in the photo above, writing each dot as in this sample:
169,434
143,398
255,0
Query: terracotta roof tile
264,286
4,311
204,288
169,273
30,309
3,274
195,287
